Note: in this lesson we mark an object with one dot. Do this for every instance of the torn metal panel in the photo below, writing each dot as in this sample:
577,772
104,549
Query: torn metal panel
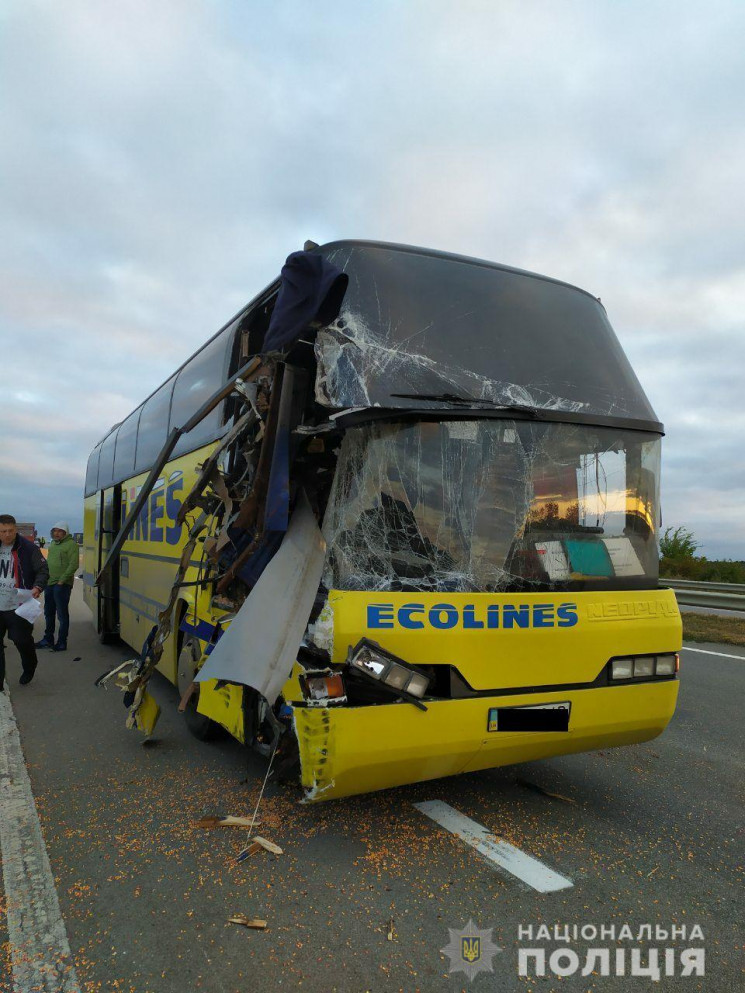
249,371
277,510
261,644
248,524
321,632
490,505
145,715
132,676
222,703
209,473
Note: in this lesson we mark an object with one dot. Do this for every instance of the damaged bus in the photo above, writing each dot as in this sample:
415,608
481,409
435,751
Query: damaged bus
396,520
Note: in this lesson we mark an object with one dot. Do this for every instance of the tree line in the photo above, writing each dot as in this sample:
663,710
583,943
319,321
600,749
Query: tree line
678,560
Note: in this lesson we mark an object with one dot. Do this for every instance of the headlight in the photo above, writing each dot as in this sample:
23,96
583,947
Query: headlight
418,684
369,658
397,676
667,665
644,667
623,668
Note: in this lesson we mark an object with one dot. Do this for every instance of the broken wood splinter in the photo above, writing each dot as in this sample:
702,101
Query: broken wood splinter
251,922
268,845
213,821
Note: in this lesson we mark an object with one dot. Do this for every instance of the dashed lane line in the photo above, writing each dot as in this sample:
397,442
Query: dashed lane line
501,853
40,952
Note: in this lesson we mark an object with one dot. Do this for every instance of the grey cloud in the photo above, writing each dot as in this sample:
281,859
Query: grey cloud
160,161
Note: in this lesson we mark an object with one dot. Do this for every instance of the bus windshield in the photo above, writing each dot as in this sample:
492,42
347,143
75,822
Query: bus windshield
493,505
417,324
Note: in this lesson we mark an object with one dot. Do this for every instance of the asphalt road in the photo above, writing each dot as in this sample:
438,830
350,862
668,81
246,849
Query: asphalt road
367,889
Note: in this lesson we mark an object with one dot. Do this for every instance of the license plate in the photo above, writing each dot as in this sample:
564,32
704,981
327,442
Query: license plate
534,717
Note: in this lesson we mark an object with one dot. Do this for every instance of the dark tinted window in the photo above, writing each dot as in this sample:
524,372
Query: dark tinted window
195,384
91,473
153,427
416,323
126,442
106,463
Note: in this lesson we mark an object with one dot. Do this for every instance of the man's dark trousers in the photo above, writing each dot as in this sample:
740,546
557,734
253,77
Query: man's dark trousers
21,633
56,601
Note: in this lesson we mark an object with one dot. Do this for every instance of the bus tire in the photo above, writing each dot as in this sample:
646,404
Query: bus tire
203,728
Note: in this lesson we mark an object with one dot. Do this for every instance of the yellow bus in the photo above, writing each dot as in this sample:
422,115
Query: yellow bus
429,521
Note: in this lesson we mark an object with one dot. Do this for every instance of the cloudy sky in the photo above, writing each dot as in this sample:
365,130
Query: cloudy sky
160,158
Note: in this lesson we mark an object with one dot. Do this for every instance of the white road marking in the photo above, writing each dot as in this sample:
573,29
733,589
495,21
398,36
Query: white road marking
39,950
704,651
506,856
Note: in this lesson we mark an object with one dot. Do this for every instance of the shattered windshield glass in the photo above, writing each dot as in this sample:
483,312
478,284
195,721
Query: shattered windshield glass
416,325
493,505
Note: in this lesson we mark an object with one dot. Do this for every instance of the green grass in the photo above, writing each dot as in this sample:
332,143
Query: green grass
712,627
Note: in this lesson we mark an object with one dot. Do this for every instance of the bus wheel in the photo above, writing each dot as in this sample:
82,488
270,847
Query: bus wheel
200,726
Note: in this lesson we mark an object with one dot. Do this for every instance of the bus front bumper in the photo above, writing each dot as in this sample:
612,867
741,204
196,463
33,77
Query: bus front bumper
350,750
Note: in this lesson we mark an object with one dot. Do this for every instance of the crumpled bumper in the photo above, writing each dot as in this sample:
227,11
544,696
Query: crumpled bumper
350,750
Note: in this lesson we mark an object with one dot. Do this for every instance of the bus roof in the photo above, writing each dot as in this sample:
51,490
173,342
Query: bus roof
439,322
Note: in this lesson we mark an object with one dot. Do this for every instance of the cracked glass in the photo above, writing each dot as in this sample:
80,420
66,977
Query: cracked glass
493,505
417,326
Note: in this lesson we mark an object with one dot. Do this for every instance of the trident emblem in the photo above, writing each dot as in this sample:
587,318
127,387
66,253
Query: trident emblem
470,949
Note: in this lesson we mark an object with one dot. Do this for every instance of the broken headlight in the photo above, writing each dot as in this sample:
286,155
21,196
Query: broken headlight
325,687
369,658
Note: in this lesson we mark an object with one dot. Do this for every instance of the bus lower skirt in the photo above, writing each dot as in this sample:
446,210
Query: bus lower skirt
351,750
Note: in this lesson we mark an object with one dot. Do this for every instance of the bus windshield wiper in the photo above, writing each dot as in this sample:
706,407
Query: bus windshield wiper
467,401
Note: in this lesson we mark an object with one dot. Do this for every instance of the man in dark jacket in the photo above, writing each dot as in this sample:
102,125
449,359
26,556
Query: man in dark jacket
22,567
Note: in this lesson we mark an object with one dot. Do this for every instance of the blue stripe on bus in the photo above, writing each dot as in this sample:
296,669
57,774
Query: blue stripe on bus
202,629
139,610
173,560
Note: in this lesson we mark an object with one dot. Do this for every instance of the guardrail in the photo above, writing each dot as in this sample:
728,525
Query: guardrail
719,596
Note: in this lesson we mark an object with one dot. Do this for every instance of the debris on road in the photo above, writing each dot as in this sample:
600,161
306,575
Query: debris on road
250,922
215,820
247,852
540,789
257,844
268,845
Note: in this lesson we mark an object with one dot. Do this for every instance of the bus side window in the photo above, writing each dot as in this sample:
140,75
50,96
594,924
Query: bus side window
91,472
126,442
153,427
195,384
106,463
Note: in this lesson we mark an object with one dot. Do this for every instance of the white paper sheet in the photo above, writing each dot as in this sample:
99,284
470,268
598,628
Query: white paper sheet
624,558
554,559
31,610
